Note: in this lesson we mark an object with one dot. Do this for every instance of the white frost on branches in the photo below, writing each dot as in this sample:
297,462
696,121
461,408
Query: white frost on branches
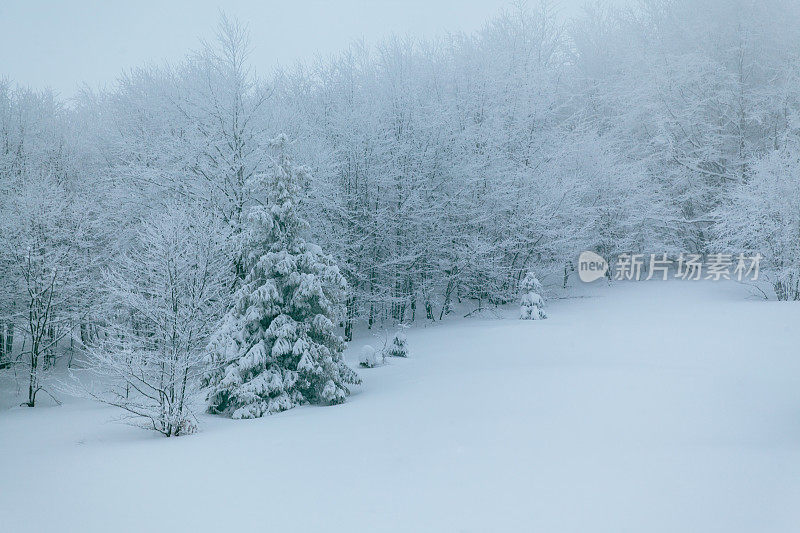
163,297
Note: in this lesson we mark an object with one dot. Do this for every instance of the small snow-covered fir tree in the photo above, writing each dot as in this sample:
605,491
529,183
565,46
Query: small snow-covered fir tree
277,348
531,302
397,347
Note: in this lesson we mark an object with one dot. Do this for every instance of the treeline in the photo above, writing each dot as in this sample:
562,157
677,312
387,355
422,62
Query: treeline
439,171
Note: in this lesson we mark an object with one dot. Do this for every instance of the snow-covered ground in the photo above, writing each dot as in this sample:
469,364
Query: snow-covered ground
648,407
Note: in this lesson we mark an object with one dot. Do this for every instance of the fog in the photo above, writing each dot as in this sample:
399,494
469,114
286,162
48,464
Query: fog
50,43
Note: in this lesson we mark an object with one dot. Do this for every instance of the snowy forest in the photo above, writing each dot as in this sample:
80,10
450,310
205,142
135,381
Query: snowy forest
436,171
207,236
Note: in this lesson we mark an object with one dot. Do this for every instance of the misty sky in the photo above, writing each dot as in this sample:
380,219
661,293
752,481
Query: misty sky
62,44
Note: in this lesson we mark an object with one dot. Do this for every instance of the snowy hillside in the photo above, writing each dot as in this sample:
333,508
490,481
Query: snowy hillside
649,407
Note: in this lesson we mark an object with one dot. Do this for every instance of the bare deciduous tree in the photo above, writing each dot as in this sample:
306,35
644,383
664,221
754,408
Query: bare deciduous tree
164,297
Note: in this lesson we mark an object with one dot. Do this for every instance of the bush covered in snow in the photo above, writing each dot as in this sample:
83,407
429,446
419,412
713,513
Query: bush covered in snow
370,357
531,302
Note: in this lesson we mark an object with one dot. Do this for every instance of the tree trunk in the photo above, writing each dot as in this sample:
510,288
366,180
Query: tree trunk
85,333
33,382
2,344
429,311
9,338
6,342
448,295
568,267
49,352
351,312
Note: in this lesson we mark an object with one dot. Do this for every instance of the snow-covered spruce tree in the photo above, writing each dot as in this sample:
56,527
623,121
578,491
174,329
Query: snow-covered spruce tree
277,348
397,346
531,302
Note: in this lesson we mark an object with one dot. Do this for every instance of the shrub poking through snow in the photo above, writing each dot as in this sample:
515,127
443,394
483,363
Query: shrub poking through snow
370,357
531,302
277,347
397,347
